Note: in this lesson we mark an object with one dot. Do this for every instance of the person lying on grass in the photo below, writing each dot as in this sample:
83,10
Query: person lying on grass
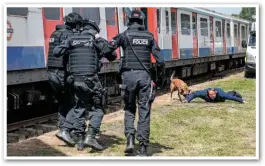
214,95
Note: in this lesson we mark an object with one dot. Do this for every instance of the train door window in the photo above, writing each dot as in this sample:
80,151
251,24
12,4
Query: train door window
167,21
235,30
144,10
17,11
243,33
185,24
158,19
110,15
218,28
228,34
173,23
91,13
211,28
52,13
204,26
125,17
194,28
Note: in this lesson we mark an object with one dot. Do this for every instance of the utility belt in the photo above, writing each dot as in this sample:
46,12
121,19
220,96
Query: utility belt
125,69
84,78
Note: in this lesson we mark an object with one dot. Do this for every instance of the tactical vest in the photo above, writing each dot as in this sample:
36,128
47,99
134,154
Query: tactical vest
83,59
61,32
141,43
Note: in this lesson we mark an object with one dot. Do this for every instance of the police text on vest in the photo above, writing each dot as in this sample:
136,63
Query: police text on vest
140,41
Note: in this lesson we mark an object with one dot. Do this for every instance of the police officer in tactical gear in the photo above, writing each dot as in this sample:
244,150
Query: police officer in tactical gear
72,20
137,44
57,72
84,55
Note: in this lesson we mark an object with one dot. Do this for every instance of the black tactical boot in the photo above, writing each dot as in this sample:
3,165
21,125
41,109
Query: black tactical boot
130,144
142,150
80,142
91,141
65,137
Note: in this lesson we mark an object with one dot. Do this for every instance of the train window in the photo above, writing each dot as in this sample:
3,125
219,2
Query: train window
228,34
235,30
167,21
173,23
243,33
91,13
17,11
204,26
158,20
125,18
185,24
211,28
194,25
144,10
110,15
218,28
52,13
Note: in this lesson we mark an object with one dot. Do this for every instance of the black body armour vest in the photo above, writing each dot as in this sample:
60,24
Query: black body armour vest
61,32
141,43
83,59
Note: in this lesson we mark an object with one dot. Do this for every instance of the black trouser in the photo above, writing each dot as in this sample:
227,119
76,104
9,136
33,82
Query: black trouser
61,93
235,93
137,83
88,93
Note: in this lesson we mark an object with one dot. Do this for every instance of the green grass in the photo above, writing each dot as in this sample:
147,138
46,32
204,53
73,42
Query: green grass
196,128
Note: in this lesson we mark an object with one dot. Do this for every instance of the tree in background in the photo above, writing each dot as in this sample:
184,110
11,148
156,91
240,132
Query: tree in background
247,13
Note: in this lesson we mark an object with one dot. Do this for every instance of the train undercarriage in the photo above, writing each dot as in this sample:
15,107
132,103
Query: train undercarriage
29,89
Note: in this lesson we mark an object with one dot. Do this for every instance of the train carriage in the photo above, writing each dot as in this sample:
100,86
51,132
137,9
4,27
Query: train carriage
192,41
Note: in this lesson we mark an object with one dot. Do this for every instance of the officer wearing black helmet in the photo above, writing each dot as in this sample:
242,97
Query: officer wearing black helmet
57,71
137,44
84,56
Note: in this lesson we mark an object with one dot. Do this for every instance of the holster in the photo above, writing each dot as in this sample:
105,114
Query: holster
125,94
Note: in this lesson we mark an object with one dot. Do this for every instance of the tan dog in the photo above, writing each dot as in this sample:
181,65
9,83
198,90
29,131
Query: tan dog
178,85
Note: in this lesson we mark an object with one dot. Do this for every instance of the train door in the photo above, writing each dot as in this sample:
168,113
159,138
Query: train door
112,24
166,47
228,37
93,13
243,36
218,40
123,20
224,36
194,34
51,17
204,36
174,30
235,48
185,35
158,27
151,21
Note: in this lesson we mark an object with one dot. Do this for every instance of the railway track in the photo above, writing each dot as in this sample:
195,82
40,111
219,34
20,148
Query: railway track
25,129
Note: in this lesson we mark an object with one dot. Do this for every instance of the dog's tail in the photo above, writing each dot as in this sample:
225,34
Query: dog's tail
172,76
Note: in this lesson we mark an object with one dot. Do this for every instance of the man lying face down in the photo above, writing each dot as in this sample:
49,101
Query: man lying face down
214,95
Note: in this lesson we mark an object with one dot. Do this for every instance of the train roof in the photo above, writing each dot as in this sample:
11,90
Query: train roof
209,12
